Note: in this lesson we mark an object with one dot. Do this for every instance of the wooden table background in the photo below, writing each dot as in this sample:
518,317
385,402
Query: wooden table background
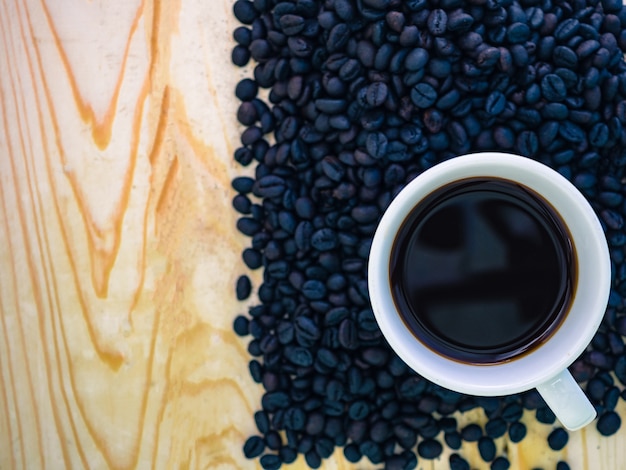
118,252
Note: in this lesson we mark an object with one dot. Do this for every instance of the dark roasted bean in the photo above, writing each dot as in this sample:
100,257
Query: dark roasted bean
376,144
299,355
600,360
558,438
500,463
553,88
383,57
495,103
458,463
252,258
312,459
495,428
371,450
448,100
512,412
324,239
557,111
269,186
611,398
365,214
486,448
453,439
330,105
429,449
439,68
423,95
240,325
244,11
253,447
612,219
338,37
248,226
504,137
246,89
563,56
459,21
437,22
416,59
608,423
517,431
488,57
376,94
566,29
527,143
517,32
352,453
471,433
291,24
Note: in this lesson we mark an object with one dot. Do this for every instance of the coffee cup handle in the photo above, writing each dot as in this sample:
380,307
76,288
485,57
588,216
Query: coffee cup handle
567,400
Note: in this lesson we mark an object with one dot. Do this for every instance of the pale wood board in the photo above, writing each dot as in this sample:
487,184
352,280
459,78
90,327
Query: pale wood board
118,248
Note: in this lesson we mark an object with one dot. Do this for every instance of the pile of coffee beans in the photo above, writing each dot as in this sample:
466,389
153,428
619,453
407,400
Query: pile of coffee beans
362,96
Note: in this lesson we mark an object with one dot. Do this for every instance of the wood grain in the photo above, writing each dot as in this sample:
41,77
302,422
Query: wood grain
118,253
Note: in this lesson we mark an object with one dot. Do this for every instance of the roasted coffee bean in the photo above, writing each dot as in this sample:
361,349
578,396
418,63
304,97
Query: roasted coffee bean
253,447
312,459
500,463
527,143
423,95
512,412
545,415
416,59
262,421
240,325
471,433
453,439
517,431
458,463
459,21
243,287
611,398
558,438
488,57
486,448
437,22
352,453
608,423
246,89
620,369
495,103
553,88
496,428
244,11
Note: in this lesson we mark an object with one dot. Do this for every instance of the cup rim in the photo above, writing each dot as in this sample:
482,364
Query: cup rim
565,344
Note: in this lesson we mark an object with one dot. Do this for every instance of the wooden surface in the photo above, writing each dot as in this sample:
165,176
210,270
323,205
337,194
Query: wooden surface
118,253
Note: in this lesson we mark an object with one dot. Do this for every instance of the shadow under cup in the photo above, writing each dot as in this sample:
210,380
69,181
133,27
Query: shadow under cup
555,342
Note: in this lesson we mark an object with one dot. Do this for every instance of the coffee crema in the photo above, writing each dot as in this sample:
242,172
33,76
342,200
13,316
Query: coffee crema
483,270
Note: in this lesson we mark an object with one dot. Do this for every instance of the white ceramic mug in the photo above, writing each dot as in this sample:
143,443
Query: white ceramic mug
544,367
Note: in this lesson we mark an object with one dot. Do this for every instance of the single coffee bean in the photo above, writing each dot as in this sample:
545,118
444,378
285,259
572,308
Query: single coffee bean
486,448
500,463
517,431
558,438
423,95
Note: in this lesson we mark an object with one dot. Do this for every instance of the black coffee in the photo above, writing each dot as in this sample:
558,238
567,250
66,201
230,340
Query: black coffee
483,270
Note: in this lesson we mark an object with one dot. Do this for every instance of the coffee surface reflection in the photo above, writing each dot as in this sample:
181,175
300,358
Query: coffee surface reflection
482,270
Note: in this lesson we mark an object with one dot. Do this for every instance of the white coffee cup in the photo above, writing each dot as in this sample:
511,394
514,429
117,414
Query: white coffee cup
545,366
